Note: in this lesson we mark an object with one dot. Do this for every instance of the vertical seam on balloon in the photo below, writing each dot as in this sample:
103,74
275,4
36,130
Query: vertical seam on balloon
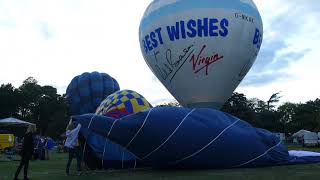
91,121
112,127
112,84
139,129
104,150
197,152
170,135
135,164
259,155
122,159
107,138
85,143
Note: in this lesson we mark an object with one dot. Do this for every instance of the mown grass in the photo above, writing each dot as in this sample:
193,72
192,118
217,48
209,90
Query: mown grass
53,169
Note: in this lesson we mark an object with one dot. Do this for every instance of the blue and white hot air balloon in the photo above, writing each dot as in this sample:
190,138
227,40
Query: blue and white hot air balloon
201,49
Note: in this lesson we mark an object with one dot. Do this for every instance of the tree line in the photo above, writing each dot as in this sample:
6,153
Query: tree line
49,110
41,105
287,118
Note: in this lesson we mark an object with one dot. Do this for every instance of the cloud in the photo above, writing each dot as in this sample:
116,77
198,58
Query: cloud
45,30
284,27
286,59
265,78
54,41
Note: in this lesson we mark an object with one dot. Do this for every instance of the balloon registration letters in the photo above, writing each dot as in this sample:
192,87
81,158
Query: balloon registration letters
201,49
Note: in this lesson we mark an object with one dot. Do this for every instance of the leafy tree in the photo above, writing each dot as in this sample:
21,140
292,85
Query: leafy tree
258,105
239,106
9,101
30,93
274,98
43,106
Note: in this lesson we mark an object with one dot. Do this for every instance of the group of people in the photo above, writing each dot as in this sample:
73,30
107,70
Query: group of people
71,143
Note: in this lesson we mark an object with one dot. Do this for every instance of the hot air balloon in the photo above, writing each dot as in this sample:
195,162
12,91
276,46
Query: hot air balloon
98,151
199,138
86,91
101,152
84,94
123,103
201,50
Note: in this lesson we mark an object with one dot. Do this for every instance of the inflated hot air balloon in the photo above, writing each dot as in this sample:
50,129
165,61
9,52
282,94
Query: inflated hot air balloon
123,103
86,91
201,49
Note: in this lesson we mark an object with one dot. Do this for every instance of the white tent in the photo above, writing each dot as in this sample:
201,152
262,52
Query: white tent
13,121
308,137
301,133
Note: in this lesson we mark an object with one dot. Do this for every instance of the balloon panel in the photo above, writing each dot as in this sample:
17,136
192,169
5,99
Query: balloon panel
201,50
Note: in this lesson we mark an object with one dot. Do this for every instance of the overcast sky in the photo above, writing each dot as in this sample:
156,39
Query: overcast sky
55,40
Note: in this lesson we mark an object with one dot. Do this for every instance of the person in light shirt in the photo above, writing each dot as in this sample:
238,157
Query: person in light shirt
73,146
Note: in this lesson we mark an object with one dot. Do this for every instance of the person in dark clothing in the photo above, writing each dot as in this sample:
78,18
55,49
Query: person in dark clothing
26,152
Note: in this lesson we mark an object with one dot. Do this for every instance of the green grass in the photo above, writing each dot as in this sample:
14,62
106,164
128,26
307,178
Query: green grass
54,169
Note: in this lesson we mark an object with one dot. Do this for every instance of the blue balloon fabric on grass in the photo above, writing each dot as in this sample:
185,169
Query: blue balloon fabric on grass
190,138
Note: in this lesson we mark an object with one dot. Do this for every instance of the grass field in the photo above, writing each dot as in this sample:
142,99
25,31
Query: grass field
53,169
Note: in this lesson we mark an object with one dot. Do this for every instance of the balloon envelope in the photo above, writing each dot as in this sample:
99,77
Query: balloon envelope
86,91
196,138
201,50
123,103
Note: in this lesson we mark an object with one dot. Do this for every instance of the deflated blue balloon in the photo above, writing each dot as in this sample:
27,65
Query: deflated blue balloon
86,91
176,137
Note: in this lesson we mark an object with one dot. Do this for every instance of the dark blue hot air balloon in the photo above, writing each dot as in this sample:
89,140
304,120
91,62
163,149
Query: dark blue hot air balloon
86,91
84,94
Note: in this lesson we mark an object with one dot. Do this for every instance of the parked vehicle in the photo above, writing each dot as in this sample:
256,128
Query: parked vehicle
6,141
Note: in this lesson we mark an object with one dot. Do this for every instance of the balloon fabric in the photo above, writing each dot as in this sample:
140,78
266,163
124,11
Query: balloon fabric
188,138
123,103
86,91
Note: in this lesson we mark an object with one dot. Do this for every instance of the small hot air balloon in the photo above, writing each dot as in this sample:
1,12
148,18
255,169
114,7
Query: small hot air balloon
123,103
86,91
201,49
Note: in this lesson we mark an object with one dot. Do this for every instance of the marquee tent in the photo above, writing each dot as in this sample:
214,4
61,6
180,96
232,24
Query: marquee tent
13,121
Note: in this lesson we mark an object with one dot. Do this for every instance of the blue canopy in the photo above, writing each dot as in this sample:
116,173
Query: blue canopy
188,138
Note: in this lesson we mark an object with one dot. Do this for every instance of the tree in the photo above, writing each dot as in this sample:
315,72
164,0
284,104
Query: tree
258,105
51,111
30,93
239,106
287,112
9,101
274,98
43,106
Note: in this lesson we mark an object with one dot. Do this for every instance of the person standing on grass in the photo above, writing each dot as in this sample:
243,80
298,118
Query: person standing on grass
73,146
26,152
